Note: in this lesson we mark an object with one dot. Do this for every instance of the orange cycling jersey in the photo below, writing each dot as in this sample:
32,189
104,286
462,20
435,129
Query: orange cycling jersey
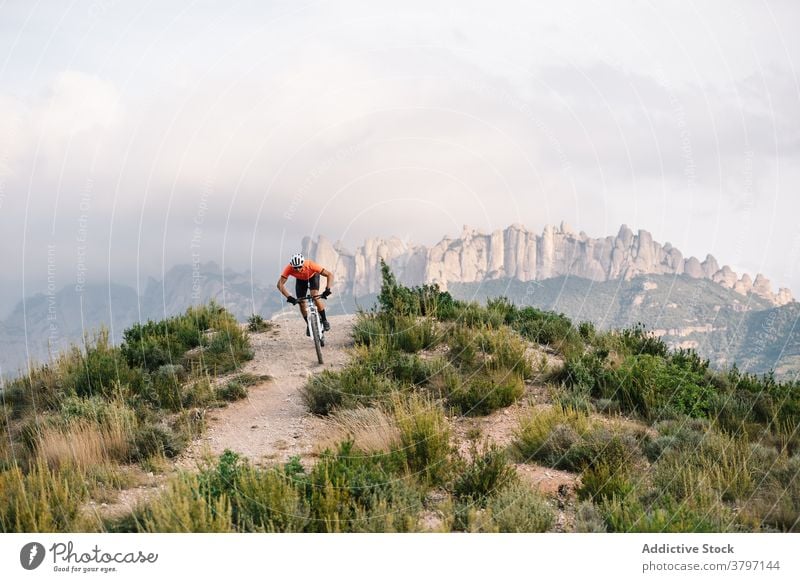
310,268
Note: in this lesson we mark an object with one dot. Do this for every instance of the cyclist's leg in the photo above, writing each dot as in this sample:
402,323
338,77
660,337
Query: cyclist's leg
301,289
319,303
314,284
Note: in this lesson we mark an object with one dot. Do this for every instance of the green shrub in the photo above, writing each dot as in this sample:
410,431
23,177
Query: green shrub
199,392
216,341
505,350
103,411
257,324
98,369
667,515
718,463
547,328
228,349
610,472
588,519
652,386
411,334
486,472
232,390
40,389
424,437
576,398
152,440
355,385
518,509
555,437
166,390
584,372
637,341
41,500
463,346
184,508
485,391
351,491
775,505
370,328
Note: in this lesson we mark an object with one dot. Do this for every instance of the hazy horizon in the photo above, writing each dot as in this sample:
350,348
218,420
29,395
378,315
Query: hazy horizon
136,138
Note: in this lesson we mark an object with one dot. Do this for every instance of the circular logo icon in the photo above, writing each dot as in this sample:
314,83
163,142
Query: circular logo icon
31,555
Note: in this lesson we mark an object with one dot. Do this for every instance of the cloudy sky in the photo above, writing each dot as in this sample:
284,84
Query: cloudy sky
135,134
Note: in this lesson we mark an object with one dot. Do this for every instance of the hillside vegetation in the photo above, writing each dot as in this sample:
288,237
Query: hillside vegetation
720,324
656,439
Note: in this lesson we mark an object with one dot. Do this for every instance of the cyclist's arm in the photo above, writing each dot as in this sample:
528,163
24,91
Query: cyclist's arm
328,278
282,287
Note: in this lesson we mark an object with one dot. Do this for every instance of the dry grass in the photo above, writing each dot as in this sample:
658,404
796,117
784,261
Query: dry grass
371,430
84,444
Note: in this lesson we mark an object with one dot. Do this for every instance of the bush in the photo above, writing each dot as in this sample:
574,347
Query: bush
152,441
355,385
463,346
228,349
392,331
610,472
427,300
574,399
505,350
183,508
424,437
637,341
370,328
218,344
588,519
42,388
485,391
232,390
99,369
352,491
412,335
653,387
165,386
41,500
518,509
547,328
555,437
667,515
486,472
257,324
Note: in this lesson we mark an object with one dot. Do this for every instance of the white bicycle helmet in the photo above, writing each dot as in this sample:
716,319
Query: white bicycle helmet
297,261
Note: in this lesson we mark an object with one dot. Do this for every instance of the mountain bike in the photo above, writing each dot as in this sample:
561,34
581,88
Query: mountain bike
315,325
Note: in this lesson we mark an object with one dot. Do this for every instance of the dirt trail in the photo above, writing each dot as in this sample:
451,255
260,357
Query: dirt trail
272,423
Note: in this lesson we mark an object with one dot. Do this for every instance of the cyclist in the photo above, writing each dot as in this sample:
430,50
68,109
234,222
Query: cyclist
307,273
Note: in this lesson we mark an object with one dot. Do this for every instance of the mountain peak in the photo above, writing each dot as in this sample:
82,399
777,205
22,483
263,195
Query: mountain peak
518,253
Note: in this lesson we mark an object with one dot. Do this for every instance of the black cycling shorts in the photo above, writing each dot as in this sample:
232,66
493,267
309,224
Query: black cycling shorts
301,286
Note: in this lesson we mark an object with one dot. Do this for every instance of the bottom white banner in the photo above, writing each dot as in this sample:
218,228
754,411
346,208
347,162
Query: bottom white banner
354,557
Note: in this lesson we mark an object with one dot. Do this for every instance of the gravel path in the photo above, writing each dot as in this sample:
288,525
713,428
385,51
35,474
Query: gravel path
272,423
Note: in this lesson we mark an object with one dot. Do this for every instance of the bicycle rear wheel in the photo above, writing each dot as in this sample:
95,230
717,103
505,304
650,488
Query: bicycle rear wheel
315,335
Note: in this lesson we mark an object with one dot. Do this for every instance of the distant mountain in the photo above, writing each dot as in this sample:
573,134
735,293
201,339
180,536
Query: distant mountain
519,254
616,281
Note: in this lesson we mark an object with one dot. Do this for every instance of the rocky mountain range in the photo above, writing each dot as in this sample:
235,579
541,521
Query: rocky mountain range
519,254
614,281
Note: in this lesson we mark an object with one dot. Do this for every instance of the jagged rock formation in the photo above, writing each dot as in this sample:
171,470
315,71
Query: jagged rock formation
520,254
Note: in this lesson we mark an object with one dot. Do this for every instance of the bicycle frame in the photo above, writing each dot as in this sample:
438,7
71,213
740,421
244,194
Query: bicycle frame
312,311
314,324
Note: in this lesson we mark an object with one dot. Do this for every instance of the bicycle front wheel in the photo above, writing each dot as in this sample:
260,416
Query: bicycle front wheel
315,335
